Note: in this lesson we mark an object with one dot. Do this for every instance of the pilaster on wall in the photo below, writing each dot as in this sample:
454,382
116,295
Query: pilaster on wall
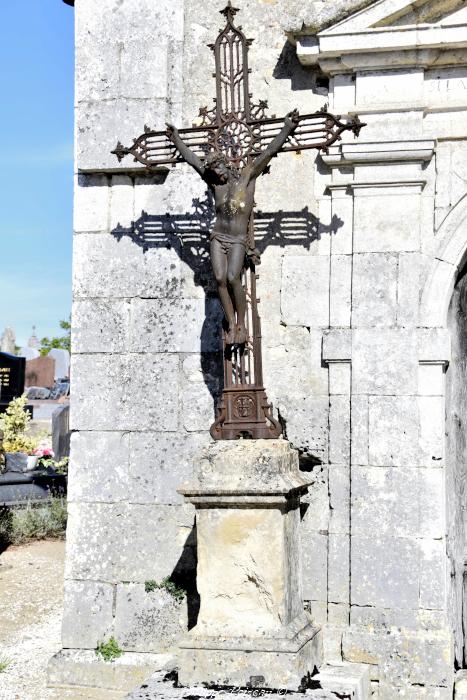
386,425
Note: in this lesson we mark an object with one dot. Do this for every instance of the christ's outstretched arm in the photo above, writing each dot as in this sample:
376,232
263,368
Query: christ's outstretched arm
186,153
261,161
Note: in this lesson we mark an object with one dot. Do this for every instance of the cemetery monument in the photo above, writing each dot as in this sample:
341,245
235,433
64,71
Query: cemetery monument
362,352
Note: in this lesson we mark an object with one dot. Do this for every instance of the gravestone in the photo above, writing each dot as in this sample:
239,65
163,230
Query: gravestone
40,372
62,362
12,376
61,431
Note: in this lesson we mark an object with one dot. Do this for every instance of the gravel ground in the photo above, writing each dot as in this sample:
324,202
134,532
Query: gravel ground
31,599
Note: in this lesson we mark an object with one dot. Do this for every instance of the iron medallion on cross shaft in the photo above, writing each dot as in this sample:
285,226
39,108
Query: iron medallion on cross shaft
233,146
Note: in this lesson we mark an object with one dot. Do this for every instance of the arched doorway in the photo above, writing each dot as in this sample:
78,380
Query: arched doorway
456,462
444,306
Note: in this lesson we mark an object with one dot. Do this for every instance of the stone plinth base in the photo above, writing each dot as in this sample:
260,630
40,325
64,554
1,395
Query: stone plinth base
83,668
252,629
274,662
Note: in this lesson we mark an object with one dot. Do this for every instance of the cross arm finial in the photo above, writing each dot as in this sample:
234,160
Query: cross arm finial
229,12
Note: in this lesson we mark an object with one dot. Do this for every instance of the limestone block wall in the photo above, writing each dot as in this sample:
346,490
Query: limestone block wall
360,250
138,326
396,543
145,364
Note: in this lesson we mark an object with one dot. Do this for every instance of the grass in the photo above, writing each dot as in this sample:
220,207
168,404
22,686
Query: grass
166,584
33,522
109,651
4,663
150,586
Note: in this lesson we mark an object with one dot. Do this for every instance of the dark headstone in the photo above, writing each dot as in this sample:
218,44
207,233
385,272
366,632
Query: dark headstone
61,432
12,376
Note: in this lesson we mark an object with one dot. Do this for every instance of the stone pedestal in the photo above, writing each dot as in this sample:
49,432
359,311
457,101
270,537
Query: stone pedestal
252,629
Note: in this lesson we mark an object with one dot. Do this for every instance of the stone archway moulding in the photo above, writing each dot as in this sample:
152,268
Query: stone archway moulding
438,288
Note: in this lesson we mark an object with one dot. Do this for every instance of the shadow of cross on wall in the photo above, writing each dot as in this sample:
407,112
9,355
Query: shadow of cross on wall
188,235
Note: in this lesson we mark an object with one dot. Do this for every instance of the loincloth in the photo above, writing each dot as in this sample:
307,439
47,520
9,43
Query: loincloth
226,240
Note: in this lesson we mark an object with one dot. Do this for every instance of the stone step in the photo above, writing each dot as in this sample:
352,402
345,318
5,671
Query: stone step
340,681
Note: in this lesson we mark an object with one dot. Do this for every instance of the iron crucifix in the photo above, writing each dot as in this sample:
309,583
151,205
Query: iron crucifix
234,192
232,145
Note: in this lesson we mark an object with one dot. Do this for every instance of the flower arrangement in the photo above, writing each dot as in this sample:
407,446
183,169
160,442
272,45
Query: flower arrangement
14,424
26,450
46,460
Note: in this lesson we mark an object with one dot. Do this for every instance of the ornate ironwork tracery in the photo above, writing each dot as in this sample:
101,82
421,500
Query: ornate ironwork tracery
240,130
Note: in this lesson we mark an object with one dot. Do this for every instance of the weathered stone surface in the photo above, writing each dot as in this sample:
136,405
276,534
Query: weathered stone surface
101,325
122,195
304,294
337,345
359,412
314,566
91,210
377,232
393,504
408,286
125,392
128,542
147,621
99,467
386,691
110,467
83,668
234,667
431,379
403,658
292,363
160,462
338,614
169,325
315,504
108,266
345,677
198,407
339,378
88,614
431,411
338,568
339,499
384,362
432,574
393,431
340,297
403,501
385,571
306,424
339,430
374,618
374,290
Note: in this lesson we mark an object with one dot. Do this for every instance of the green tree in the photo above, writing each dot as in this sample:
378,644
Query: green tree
63,342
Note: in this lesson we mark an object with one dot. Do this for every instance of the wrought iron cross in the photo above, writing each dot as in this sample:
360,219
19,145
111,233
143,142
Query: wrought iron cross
239,131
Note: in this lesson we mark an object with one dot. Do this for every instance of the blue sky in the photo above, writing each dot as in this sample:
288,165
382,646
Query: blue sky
36,165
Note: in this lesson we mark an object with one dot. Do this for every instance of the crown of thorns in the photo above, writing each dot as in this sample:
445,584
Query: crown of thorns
214,158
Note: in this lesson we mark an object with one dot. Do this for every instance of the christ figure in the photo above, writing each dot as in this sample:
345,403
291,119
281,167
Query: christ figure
233,189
